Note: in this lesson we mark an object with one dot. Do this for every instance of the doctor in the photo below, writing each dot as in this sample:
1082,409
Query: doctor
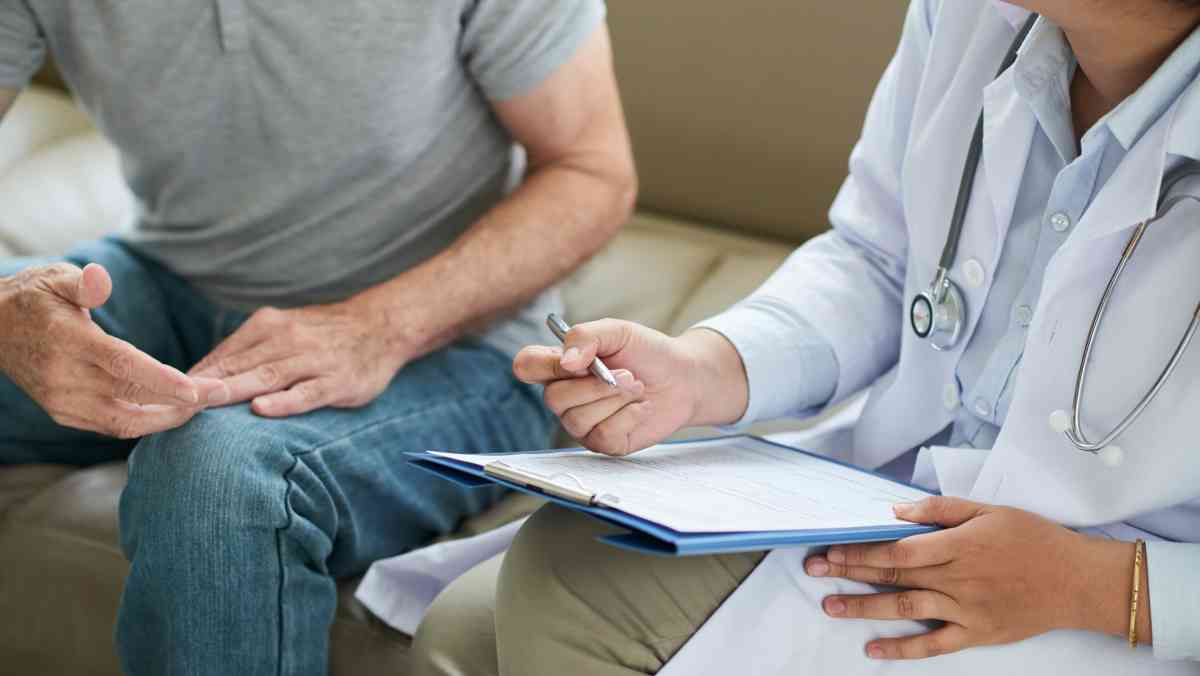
1040,566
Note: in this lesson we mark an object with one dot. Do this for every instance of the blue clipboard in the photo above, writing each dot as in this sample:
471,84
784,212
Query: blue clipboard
649,537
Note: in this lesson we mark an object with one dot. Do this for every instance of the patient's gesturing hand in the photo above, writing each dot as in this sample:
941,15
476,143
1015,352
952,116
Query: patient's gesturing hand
290,362
661,381
81,376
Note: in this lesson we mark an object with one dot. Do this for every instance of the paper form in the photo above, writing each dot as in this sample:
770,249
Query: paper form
722,485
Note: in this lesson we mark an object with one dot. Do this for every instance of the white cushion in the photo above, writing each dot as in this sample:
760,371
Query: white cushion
68,191
39,117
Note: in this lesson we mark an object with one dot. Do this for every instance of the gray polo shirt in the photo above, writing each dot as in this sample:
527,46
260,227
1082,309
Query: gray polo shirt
292,152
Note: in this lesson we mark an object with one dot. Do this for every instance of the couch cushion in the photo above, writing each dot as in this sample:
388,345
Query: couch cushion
64,192
39,117
669,274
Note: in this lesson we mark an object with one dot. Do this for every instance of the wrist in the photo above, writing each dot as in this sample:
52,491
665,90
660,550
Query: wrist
717,380
380,319
1104,584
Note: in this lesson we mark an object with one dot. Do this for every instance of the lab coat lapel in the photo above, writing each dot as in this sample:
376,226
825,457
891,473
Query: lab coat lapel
1131,194
1008,130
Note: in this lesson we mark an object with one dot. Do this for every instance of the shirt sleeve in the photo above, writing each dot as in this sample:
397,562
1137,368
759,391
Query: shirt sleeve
22,45
511,46
1174,599
827,323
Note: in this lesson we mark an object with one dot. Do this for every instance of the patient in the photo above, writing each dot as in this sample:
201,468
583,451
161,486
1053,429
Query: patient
1082,137
338,253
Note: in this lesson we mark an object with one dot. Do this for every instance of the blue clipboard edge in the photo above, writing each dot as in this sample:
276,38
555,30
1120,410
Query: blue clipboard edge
648,537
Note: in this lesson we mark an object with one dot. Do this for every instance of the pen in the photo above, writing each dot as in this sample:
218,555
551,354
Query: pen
559,328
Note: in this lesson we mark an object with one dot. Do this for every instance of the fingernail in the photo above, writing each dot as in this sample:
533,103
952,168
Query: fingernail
262,404
219,396
835,555
902,508
625,379
874,652
835,607
818,567
571,355
188,394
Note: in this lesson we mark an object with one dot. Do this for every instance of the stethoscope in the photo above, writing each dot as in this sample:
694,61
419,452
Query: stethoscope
937,314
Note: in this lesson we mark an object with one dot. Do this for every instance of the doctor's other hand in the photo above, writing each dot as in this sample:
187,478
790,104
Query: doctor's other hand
995,575
82,377
664,383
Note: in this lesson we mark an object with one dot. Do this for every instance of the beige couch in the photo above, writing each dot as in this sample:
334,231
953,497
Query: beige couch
742,115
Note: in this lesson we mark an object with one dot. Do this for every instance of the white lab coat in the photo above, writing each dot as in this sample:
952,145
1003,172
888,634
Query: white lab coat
773,623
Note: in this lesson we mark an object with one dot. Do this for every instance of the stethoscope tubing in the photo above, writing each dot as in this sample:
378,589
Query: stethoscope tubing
1074,432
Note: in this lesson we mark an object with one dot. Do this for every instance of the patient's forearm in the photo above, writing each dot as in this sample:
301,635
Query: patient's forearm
555,221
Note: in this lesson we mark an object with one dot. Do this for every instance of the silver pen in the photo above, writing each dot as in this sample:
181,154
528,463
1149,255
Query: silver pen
559,328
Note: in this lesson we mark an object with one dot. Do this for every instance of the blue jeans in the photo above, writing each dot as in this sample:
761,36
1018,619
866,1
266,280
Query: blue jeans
237,526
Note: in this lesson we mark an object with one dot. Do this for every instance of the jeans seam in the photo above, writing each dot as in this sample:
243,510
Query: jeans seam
279,534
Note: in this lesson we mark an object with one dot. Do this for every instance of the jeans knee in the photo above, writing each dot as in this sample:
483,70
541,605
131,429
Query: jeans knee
209,478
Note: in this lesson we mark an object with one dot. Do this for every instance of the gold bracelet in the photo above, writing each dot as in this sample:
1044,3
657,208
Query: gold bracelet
1139,549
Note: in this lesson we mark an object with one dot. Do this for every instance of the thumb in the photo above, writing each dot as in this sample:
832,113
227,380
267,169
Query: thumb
587,341
92,287
940,510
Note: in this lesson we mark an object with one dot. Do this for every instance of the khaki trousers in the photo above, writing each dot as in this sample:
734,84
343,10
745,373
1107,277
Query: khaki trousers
559,602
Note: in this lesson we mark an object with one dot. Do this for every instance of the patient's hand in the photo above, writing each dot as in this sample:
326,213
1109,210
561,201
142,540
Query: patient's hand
996,575
290,362
663,383
81,376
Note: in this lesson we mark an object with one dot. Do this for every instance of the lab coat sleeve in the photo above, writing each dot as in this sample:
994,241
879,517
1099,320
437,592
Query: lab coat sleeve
1174,599
827,323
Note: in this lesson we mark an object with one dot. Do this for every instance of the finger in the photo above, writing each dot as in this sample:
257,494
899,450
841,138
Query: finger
125,362
256,329
299,399
940,510
124,420
96,380
585,342
233,363
269,379
581,420
948,639
618,435
564,395
917,604
539,364
819,566
88,288
919,551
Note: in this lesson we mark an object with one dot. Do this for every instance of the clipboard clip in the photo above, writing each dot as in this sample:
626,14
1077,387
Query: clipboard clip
578,494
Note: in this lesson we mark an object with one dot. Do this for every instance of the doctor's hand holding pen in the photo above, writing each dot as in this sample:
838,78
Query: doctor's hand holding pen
662,383
994,575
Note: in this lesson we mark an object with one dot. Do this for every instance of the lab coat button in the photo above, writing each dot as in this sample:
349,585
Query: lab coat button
983,409
1060,421
973,271
1060,222
950,396
1024,315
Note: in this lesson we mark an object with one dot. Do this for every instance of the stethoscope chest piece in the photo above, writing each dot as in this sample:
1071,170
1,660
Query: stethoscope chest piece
937,314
